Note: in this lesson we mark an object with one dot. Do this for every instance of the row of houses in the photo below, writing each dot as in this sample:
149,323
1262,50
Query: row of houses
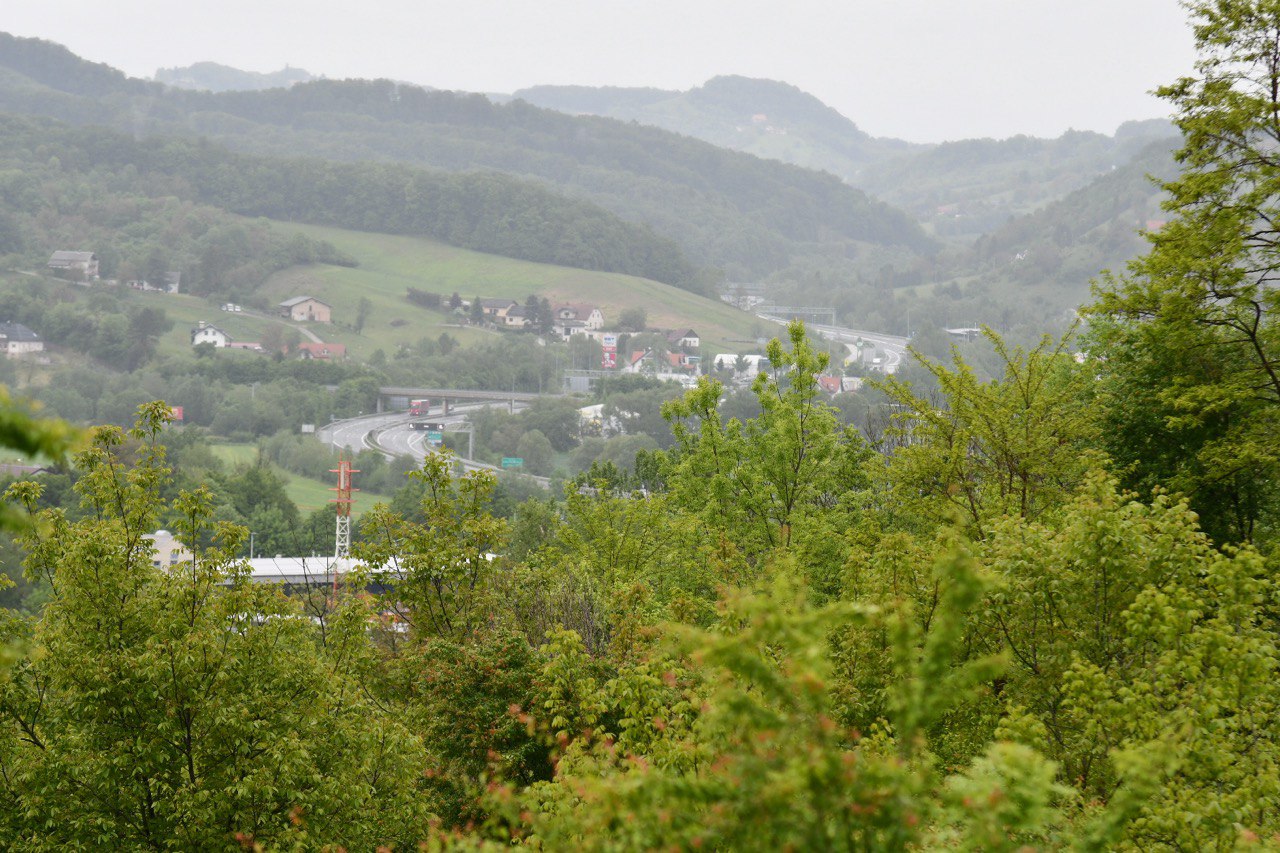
566,319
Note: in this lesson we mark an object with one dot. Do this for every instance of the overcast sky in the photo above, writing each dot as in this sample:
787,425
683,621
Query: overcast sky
924,70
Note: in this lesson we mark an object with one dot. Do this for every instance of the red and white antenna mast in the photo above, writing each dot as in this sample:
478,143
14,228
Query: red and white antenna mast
342,530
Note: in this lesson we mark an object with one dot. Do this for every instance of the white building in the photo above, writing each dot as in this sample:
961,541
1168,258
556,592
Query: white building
18,340
209,334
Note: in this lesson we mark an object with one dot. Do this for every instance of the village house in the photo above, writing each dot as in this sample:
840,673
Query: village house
575,319
516,317
636,362
497,310
18,340
668,367
168,550
205,333
78,265
308,350
306,309
679,361
831,384
685,339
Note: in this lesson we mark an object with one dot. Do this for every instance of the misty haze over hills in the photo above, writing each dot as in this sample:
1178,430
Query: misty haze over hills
728,175
941,184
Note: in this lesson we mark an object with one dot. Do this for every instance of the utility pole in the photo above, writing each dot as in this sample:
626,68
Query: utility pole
342,526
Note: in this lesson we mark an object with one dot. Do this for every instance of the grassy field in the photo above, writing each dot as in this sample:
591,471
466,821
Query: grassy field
390,264
307,493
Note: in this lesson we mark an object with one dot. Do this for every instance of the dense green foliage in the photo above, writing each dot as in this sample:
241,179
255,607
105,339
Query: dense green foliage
485,211
1034,612
788,640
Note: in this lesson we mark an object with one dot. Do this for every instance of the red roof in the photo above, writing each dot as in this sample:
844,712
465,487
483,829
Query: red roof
315,350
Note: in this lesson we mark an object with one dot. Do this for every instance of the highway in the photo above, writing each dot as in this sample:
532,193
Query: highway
389,433
894,347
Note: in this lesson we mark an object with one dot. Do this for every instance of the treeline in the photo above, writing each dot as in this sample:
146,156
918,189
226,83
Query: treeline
139,230
487,212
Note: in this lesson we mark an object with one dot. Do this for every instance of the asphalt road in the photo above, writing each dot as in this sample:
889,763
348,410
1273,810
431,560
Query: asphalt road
894,347
395,437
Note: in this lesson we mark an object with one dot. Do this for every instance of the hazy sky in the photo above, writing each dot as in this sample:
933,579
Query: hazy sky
924,70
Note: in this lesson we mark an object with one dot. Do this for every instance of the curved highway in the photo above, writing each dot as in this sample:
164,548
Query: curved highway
894,347
389,433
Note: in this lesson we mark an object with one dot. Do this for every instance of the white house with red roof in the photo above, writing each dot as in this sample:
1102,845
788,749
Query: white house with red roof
575,319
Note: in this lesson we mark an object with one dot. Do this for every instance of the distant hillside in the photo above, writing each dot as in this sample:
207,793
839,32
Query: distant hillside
387,265
976,185
961,189
85,179
747,216
212,77
1068,242
54,66
762,117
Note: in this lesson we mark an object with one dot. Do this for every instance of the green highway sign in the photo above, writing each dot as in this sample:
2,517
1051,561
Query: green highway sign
512,462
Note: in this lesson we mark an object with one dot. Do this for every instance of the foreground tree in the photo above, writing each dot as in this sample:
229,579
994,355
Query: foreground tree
1189,338
1009,447
757,481
184,707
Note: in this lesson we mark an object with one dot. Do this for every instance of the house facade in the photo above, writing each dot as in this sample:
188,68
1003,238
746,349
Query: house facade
515,318
18,340
497,309
685,339
575,319
208,334
82,265
306,309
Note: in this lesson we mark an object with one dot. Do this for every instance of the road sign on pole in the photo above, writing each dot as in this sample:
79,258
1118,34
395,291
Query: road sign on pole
512,462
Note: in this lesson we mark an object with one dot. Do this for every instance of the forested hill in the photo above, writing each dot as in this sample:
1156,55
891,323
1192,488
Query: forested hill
58,68
961,188
215,77
974,186
746,215
767,118
1068,242
488,212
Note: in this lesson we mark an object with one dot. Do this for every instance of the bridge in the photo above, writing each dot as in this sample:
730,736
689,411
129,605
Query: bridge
786,313
394,398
